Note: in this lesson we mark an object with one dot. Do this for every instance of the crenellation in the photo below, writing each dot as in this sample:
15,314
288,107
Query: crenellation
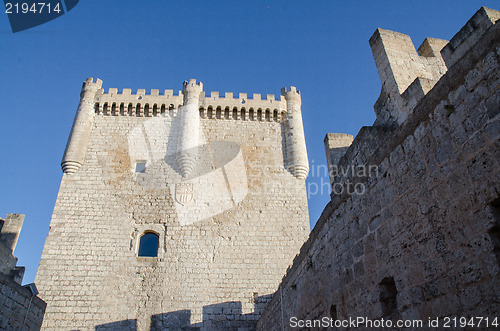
431,47
128,104
10,227
399,65
471,32
242,101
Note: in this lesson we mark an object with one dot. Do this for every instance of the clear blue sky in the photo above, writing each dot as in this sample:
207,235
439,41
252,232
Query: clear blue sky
236,46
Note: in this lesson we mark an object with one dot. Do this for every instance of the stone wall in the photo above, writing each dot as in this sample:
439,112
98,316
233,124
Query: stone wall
20,308
420,238
227,231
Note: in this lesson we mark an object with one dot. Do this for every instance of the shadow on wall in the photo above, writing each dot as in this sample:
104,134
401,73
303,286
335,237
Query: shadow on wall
221,316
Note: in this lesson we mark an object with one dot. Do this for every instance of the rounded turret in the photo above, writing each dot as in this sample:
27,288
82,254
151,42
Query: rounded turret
189,132
191,91
297,161
78,141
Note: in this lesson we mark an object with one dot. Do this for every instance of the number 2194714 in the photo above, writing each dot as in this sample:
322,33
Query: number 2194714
35,8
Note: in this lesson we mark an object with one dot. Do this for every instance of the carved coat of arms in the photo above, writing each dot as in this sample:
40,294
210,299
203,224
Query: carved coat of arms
184,193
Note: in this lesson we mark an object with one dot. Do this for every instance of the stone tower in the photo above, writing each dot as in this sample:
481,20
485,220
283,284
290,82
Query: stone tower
216,185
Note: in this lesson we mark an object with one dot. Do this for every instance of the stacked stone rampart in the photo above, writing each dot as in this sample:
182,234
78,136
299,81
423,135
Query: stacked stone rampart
420,239
20,307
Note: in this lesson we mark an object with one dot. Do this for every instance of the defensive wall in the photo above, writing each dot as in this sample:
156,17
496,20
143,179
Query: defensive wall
20,307
418,234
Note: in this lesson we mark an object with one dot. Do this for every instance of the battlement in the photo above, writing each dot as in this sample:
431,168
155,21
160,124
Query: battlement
292,94
192,84
90,87
408,74
207,95
292,89
230,106
90,80
10,228
400,65
242,96
140,92
90,84
470,33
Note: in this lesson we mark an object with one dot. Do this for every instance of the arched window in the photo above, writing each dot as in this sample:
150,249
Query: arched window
138,110
148,245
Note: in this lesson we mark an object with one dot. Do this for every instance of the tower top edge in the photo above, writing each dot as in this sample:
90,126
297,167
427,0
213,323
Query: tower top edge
126,94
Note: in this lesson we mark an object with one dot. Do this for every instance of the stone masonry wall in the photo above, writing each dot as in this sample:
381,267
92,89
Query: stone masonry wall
422,239
20,308
219,261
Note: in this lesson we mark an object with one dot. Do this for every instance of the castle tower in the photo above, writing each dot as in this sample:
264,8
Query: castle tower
78,141
298,164
187,149
175,210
